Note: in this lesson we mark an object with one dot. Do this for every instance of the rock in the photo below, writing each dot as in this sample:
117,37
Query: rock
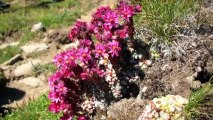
37,27
8,74
13,60
190,79
3,67
26,69
8,44
70,46
195,84
126,109
36,47
31,81
103,117
148,63
59,36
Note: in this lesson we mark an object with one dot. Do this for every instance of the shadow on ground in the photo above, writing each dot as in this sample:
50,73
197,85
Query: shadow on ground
8,95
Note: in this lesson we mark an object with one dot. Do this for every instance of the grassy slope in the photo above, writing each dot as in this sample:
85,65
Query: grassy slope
158,15
37,110
51,14
23,15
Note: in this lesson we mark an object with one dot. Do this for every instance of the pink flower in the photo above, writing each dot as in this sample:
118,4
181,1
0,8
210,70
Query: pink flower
58,59
54,107
82,117
61,89
73,32
54,80
126,11
107,26
54,96
114,48
111,17
79,31
100,50
85,76
99,72
67,72
138,8
85,43
100,11
69,59
123,34
84,54
67,117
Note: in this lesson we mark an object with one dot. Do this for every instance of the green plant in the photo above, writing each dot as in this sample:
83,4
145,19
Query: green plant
199,100
35,110
46,68
159,15
8,52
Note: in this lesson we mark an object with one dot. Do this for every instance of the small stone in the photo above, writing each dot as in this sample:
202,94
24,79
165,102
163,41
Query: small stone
148,63
195,84
31,81
37,27
199,69
144,89
27,68
137,77
103,117
36,47
190,79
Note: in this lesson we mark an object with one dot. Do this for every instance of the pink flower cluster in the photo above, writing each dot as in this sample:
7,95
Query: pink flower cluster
110,28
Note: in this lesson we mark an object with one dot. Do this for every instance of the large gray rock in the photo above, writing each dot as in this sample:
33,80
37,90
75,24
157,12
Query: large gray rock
27,68
35,47
31,81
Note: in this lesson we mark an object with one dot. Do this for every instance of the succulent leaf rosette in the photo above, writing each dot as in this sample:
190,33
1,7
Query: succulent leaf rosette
165,108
